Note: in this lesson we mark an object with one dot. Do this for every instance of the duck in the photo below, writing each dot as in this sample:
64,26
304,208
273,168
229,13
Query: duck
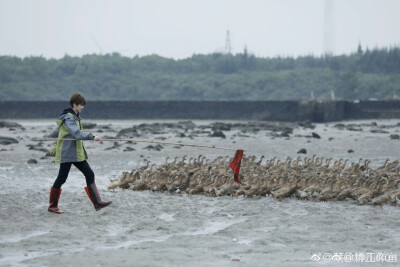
255,187
346,192
366,196
325,195
265,188
181,188
300,194
224,189
379,200
241,191
286,191
178,180
195,189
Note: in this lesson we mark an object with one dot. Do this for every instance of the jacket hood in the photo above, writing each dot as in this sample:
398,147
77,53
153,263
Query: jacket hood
65,114
69,110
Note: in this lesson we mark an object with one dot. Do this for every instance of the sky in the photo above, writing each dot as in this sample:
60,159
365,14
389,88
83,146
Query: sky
180,28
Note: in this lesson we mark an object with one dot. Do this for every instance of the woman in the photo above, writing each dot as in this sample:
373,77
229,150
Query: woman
70,152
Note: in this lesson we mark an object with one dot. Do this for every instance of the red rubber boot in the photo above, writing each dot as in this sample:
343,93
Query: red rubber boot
94,196
54,197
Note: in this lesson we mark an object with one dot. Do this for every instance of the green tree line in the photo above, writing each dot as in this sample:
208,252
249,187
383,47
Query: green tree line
242,76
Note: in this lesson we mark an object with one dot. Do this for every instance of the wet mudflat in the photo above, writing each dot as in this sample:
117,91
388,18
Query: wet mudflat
153,229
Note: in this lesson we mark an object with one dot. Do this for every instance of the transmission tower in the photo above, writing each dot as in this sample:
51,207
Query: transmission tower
329,28
228,46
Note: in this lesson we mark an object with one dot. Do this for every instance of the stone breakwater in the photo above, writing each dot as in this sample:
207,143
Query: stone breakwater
222,110
315,178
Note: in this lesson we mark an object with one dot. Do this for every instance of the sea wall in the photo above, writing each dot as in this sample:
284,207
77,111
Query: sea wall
236,110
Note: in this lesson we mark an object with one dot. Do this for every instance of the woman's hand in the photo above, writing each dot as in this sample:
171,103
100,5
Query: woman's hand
97,138
52,152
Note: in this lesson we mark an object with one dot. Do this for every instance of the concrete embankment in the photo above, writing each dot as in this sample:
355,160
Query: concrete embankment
224,110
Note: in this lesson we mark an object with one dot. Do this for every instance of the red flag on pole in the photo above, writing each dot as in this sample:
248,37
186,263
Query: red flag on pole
235,165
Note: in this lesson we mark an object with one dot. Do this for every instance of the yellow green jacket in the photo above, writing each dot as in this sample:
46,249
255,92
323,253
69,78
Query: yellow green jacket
70,127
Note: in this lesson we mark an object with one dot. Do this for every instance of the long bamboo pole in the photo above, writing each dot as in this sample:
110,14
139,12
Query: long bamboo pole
137,141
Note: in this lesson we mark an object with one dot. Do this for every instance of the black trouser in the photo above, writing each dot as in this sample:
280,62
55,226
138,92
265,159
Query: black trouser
83,166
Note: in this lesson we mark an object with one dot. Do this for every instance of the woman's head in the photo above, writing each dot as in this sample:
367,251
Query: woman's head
77,102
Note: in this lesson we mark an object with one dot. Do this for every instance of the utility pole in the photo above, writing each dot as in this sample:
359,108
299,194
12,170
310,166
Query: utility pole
329,28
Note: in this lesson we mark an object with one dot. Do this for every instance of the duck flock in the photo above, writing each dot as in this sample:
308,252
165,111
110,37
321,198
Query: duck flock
316,179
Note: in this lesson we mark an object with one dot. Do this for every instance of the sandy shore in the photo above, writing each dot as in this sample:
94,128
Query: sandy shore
151,229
